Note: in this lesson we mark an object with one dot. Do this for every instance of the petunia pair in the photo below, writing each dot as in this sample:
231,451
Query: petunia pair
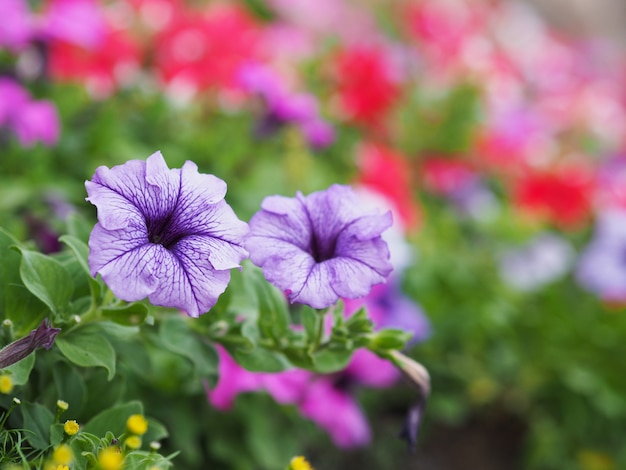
169,235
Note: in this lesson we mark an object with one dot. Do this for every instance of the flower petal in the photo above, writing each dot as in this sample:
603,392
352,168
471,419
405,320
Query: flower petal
186,278
125,260
317,290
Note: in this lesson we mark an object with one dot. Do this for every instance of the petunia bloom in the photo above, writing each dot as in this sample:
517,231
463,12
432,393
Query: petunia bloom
164,234
320,247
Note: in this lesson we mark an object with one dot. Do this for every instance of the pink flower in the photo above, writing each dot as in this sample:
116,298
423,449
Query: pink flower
337,412
17,28
80,22
37,121
31,121
318,397
285,387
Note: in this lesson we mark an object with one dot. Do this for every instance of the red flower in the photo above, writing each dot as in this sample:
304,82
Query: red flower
365,84
103,68
207,49
389,174
562,196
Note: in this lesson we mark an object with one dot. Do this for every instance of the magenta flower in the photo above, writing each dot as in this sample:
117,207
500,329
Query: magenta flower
320,247
336,411
164,234
17,27
80,22
285,387
37,121
318,397
30,120
284,107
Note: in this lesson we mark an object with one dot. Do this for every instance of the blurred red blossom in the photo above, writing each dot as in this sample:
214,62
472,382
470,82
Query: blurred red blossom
112,63
204,49
388,173
366,85
563,196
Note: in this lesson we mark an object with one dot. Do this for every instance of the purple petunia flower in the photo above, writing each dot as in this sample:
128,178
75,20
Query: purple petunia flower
164,234
320,247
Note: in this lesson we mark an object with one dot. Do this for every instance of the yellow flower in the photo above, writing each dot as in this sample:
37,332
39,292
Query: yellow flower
594,460
62,455
51,466
137,424
71,427
110,459
300,463
6,384
133,442
62,405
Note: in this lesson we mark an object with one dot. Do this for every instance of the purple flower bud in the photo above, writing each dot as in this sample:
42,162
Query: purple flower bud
42,337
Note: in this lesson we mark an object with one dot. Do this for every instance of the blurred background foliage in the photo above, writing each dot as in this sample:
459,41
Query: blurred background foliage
527,375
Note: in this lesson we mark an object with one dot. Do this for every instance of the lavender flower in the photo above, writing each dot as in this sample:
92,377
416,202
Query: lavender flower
164,234
320,247
602,265
544,259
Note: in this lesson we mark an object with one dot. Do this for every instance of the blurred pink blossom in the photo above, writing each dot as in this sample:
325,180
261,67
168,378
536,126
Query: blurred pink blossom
17,27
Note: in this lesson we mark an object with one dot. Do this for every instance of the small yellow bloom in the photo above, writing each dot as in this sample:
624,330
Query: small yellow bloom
137,424
6,384
71,427
300,463
110,459
62,455
50,466
593,460
133,442
62,405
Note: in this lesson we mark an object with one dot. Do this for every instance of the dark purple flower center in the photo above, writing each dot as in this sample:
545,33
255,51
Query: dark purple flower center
322,250
163,231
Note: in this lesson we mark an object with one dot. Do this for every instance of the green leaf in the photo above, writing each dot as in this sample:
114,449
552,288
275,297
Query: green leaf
310,320
46,278
85,347
37,422
16,302
177,337
273,315
261,360
21,369
332,360
389,338
81,251
156,431
56,434
70,386
9,265
130,315
114,419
